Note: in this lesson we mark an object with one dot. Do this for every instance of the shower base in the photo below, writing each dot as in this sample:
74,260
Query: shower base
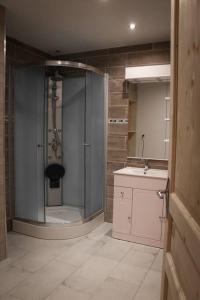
57,231
63,214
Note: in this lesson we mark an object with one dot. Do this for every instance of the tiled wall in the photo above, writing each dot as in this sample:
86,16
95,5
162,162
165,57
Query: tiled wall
114,61
16,53
2,144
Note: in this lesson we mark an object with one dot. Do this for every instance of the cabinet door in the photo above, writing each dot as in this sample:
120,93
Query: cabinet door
147,214
122,215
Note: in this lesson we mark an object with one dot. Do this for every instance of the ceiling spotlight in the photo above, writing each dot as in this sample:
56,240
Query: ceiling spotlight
132,26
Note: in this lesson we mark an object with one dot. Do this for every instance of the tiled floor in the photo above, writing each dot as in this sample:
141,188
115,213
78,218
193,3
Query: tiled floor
94,267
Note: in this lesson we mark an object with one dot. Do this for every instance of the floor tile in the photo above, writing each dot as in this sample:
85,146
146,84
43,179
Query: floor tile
81,251
74,258
114,289
91,274
10,278
138,259
100,231
24,242
131,274
40,284
97,246
97,267
15,253
64,243
150,289
114,249
8,297
35,260
157,264
146,249
62,292
92,267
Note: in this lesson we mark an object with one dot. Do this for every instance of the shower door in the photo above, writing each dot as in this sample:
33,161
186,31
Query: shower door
73,139
29,95
83,142
94,144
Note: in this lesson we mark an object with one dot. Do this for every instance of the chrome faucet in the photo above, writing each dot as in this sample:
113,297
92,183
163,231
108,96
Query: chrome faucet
146,166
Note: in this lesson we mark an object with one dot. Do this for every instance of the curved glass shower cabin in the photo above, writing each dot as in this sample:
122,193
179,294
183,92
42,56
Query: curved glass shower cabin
59,142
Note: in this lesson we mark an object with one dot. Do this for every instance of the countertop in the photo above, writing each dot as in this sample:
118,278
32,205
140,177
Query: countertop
152,173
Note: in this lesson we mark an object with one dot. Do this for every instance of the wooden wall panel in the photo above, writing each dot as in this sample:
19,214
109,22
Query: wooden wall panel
174,286
187,178
186,269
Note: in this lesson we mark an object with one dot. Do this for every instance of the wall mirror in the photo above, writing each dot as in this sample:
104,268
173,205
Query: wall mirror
149,118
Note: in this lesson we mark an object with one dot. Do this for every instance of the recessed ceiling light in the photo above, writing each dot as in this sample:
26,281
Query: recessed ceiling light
132,26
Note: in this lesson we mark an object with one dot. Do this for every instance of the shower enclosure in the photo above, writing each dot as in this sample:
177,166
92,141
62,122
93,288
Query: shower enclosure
59,128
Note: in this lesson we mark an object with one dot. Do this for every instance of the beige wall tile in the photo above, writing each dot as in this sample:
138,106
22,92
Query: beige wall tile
118,99
117,155
118,129
117,60
148,58
118,112
117,142
116,85
116,72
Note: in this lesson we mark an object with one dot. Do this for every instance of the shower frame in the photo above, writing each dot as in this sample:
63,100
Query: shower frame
65,231
77,65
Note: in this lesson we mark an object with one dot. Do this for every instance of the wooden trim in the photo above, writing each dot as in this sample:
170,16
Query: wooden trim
174,90
175,286
173,130
167,246
188,228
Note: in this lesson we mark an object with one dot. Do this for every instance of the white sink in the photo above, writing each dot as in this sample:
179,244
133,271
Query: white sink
153,173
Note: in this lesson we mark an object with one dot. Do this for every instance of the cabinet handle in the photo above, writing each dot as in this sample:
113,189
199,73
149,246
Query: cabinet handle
129,218
122,193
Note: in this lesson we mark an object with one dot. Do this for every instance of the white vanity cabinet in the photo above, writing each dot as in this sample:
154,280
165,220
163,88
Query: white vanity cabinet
138,211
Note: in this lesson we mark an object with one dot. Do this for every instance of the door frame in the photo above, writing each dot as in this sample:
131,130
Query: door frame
173,132
179,215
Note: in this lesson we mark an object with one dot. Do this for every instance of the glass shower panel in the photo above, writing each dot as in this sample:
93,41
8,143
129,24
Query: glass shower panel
94,144
29,90
73,139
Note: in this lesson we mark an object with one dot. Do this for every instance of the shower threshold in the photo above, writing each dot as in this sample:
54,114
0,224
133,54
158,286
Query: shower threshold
55,231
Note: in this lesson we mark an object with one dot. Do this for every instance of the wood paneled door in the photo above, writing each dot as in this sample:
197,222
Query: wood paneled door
181,267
